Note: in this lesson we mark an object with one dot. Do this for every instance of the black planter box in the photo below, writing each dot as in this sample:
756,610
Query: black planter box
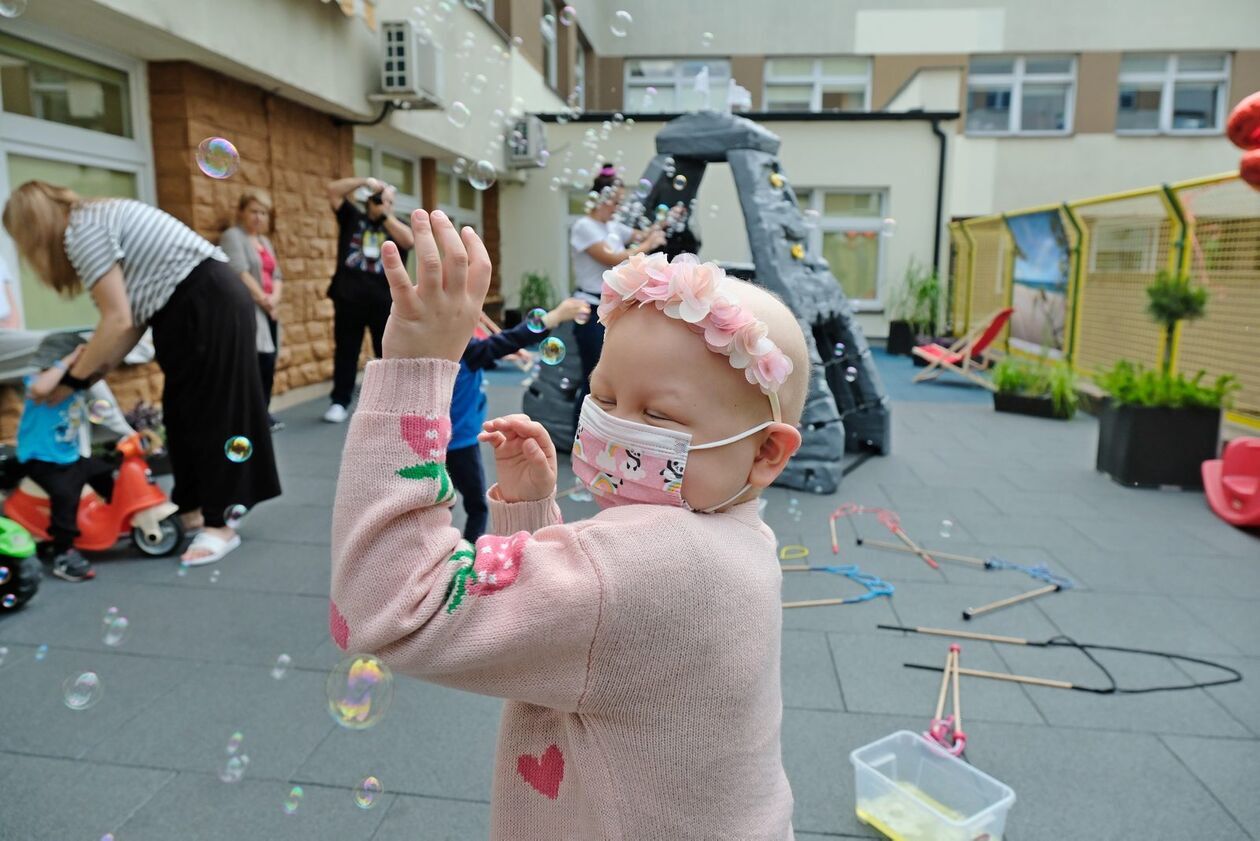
1149,447
900,338
1026,404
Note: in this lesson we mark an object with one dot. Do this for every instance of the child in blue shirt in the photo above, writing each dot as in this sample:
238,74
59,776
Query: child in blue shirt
468,408
53,446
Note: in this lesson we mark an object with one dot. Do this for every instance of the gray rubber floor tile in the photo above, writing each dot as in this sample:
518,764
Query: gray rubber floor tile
1096,784
1160,538
809,678
187,729
1235,620
1163,573
432,741
1228,769
433,819
56,799
281,521
861,617
39,721
1242,699
200,807
1137,621
874,678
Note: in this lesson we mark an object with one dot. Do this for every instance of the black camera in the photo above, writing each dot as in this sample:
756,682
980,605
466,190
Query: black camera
377,198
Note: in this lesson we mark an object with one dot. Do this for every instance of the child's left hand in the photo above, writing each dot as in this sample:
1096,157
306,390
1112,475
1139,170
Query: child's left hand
435,318
524,457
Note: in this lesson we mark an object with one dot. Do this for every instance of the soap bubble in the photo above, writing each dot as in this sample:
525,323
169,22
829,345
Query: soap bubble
552,350
4,652
565,383
4,575
478,83
947,528
547,26
12,8
82,691
482,175
109,836
621,22
650,90
680,182
706,39
116,631
98,410
234,769
234,742
41,652
888,227
543,156
111,613
850,374
458,114
713,211
238,448
534,320
233,514
618,119
517,41
8,601
214,576
839,349
183,569
368,791
645,186
555,183
581,495
811,218
360,690
568,15
669,166
281,667
294,800
217,157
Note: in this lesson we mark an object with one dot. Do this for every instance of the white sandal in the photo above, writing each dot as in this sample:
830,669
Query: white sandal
216,546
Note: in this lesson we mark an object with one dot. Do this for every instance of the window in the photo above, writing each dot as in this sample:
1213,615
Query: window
47,84
395,168
1020,95
362,161
579,72
1124,245
458,199
73,114
847,234
548,28
817,84
1174,94
669,86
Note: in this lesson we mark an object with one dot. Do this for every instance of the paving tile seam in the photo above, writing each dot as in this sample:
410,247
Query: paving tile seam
1203,784
835,670
997,650
1177,664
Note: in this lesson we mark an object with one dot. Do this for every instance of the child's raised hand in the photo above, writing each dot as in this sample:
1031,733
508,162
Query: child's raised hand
435,318
525,458
568,310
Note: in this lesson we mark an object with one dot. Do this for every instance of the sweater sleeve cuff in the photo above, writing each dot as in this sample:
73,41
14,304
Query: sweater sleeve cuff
399,386
510,517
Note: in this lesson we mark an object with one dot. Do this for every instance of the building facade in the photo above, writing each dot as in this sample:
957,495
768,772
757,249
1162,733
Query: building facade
1024,103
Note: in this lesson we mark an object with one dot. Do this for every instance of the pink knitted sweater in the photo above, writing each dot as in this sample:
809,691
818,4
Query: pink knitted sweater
638,650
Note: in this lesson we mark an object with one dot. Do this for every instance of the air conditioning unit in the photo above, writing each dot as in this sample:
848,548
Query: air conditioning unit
527,144
411,66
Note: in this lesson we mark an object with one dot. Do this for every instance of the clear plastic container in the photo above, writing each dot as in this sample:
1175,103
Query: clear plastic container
911,790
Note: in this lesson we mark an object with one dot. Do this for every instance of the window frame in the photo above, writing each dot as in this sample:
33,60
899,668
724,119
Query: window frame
674,81
33,137
1168,79
550,46
458,215
404,202
844,224
816,80
1015,82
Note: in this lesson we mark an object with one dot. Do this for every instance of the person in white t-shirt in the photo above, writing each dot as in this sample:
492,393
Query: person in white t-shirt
599,242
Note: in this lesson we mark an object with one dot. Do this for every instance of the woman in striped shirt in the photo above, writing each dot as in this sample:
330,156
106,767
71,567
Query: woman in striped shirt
145,268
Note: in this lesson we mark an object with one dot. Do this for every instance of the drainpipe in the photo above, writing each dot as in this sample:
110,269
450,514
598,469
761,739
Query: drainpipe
940,197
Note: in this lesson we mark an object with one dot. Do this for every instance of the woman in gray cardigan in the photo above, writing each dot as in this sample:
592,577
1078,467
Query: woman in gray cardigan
251,254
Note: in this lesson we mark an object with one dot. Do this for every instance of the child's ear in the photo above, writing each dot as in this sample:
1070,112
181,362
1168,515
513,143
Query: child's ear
781,443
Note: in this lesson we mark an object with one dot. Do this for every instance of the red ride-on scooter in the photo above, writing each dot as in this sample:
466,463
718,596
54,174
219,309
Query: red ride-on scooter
139,507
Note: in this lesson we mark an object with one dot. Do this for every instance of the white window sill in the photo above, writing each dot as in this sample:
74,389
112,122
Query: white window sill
970,133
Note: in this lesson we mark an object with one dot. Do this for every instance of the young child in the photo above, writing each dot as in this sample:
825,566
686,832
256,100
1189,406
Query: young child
638,650
468,408
53,445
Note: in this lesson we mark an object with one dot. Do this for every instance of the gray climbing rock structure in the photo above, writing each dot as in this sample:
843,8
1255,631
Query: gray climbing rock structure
846,409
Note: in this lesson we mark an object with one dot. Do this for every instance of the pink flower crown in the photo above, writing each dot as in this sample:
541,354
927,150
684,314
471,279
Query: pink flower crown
701,295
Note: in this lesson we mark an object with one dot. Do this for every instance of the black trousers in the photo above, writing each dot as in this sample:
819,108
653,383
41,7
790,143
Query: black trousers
468,477
590,342
64,485
205,339
350,319
267,362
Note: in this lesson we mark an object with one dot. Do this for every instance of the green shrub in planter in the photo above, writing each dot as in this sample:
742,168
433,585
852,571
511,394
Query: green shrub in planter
1035,387
535,292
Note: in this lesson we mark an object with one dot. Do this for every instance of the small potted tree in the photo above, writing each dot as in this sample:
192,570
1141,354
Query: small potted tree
1157,428
1035,387
913,306
535,292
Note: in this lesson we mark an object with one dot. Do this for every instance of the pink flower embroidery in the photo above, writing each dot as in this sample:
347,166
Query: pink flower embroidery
427,436
497,563
337,626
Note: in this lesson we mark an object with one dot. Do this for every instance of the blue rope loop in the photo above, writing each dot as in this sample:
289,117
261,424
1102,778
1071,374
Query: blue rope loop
875,586
1040,572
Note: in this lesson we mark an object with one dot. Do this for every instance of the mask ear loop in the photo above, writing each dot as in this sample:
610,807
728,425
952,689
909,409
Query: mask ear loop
778,418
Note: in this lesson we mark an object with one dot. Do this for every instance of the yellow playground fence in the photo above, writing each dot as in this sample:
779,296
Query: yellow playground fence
1112,248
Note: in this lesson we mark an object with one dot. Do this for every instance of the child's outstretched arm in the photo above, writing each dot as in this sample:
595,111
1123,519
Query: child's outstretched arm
482,353
513,616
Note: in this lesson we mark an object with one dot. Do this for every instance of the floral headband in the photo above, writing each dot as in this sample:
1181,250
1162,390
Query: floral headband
701,295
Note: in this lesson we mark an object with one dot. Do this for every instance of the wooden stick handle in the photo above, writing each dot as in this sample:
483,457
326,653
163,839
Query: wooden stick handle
905,538
835,543
795,567
958,728
1035,681
965,635
944,556
1000,603
815,603
945,673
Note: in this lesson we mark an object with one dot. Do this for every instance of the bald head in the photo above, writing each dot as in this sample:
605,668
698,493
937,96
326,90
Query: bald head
784,331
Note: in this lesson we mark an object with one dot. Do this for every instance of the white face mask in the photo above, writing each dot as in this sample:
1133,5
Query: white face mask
635,463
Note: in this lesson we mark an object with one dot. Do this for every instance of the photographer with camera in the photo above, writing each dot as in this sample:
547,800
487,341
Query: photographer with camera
359,291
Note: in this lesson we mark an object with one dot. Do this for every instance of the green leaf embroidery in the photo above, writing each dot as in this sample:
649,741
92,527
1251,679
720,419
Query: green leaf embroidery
431,470
457,587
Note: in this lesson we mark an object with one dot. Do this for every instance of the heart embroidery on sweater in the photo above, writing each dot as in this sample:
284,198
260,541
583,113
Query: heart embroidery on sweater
427,437
544,773
337,626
